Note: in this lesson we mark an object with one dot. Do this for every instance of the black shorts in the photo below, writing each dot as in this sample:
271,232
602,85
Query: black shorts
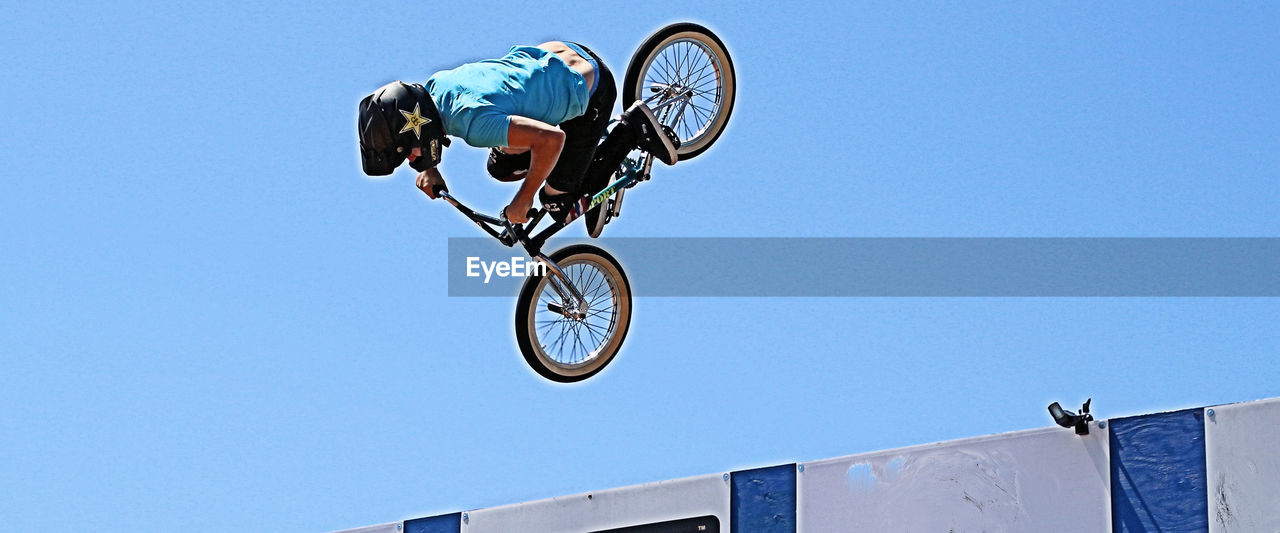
581,136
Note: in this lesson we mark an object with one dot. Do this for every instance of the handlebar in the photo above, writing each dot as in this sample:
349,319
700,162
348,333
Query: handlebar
511,234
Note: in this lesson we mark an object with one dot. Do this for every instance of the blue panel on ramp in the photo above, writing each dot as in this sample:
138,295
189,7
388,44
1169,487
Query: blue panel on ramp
449,523
763,500
1158,473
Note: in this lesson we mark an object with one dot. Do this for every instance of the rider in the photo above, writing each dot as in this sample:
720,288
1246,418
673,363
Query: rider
513,105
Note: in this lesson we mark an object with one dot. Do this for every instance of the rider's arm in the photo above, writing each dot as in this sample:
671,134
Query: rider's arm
544,142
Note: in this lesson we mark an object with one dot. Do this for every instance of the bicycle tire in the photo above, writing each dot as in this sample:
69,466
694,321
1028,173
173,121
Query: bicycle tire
699,41
533,302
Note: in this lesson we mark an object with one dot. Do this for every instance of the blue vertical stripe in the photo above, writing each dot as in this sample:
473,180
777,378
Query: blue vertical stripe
449,523
1158,473
763,500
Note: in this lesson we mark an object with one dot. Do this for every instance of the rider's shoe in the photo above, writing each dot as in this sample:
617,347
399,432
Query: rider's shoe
651,135
558,205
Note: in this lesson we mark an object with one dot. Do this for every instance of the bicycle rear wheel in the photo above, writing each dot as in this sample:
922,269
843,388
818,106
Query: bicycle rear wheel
684,73
562,341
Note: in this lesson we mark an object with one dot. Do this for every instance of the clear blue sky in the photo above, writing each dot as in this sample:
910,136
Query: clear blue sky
211,320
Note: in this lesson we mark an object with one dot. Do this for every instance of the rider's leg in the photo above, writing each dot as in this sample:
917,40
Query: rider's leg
508,167
637,129
610,153
629,134
582,135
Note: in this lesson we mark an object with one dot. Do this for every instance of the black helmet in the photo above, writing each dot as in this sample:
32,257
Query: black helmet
394,120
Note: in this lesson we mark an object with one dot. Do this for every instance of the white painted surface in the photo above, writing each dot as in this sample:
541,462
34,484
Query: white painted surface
1242,445
393,527
1045,480
629,506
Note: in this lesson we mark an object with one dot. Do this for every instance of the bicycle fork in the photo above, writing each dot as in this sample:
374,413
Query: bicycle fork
565,289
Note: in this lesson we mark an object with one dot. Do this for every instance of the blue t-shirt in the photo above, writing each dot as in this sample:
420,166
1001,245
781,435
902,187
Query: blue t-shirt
476,100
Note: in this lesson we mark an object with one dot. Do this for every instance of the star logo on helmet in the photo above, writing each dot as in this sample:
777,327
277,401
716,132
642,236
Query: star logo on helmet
414,121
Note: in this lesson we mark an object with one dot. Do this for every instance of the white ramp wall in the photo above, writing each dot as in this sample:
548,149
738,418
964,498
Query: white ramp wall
1045,480
1210,470
1242,442
610,509
394,527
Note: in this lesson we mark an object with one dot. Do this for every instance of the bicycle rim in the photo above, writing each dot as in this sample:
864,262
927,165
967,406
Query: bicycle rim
571,348
687,78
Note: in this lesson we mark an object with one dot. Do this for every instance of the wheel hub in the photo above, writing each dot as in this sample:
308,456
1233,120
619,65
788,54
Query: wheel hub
571,312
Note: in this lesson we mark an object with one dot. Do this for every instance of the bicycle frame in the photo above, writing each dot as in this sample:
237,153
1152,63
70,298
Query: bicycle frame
632,170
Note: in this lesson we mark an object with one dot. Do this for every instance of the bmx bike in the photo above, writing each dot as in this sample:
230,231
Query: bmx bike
572,316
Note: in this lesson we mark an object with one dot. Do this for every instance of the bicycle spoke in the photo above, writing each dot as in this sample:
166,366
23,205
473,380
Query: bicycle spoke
598,333
715,102
601,292
575,341
695,64
601,309
679,65
703,114
662,69
548,323
702,81
601,313
559,338
694,54
685,121
663,63
703,61
547,330
597,338
594,327
681,62
667,68
592,286
707,111
692,63
589,282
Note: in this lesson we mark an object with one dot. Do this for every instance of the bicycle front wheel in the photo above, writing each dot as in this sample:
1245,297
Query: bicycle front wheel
562,340
684,74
